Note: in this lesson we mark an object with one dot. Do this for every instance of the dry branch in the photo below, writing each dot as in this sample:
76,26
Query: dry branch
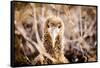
38,47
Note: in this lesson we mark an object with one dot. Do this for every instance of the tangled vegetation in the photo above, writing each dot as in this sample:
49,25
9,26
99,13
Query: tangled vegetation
80,32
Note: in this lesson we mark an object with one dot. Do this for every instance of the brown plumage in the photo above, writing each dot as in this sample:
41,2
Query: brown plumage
53,38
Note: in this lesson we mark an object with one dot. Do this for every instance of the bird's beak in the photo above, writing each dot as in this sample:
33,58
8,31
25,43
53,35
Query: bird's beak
53,32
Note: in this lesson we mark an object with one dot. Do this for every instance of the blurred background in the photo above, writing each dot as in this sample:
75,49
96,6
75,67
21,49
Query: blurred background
80,30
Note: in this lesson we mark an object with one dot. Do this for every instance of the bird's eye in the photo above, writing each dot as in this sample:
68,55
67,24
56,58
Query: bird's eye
59,26
48,26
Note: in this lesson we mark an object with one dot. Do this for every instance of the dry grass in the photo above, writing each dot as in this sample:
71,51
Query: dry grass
80,38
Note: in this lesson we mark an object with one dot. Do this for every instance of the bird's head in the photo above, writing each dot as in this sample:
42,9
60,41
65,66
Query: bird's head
54,26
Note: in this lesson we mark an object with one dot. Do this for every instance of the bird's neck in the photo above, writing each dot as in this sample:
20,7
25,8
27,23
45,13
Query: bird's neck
57,51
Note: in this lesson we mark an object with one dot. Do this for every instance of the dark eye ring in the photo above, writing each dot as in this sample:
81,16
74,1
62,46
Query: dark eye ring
48,25
59,26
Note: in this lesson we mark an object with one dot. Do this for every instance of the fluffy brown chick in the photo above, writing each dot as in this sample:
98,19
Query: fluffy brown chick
53,38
